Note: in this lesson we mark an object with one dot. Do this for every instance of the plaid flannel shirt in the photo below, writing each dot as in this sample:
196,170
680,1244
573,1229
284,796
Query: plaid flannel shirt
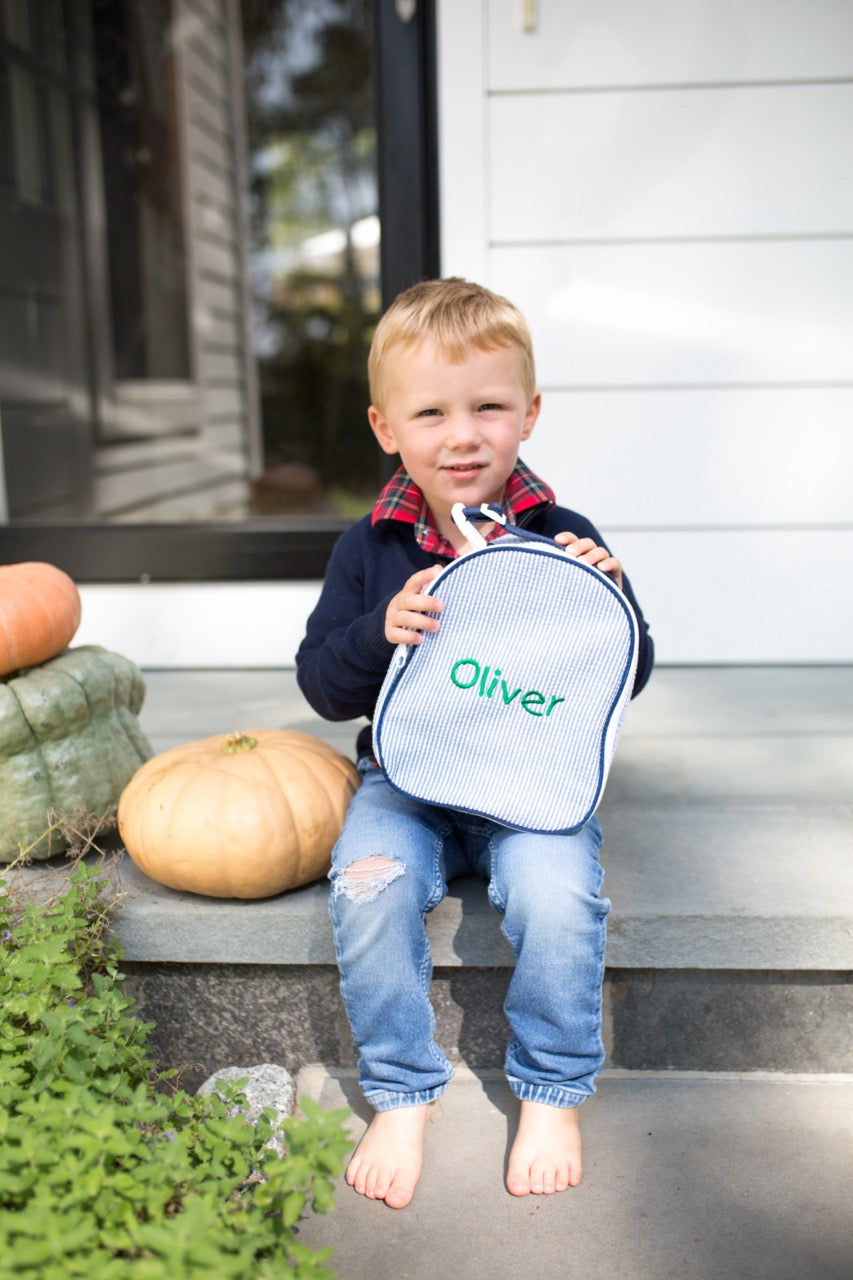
401,499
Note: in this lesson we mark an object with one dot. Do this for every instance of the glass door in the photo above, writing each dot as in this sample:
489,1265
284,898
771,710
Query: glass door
204,204
314,244
46,419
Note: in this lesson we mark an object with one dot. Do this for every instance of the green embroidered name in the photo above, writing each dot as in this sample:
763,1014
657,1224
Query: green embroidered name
468,674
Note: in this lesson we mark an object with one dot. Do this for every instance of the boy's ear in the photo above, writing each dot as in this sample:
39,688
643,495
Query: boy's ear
381,430
532,414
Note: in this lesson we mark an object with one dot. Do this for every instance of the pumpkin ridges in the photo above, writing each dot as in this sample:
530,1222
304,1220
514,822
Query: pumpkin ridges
61,749
56,627
24,774
140,788
286,819
285,769
23,634
40,612
305,836
332,794
237,841
336,761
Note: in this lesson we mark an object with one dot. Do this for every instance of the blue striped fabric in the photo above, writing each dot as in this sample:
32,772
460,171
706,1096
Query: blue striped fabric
513,708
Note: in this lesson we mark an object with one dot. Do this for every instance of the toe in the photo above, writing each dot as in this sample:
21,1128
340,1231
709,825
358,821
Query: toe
397,1197
517,1184
376,1185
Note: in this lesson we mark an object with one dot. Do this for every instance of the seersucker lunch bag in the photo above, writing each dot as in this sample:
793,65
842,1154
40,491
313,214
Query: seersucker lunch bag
513,708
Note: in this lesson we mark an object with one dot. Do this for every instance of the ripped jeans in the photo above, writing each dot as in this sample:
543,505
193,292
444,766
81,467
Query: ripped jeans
390,867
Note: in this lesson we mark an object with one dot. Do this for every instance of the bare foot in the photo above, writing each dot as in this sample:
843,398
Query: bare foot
386,1163
546,1154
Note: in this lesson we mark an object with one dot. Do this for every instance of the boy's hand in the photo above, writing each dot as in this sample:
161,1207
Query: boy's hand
586,550
408,614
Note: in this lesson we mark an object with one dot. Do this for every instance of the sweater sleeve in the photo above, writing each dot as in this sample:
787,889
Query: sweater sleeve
343,658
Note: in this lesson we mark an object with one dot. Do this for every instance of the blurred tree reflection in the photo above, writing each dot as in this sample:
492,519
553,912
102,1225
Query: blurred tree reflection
314,248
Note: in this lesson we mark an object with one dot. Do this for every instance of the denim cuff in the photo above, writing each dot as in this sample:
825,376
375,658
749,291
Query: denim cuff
389,1100
552,1095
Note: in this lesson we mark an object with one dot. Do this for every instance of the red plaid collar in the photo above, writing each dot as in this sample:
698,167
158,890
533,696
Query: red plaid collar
401,499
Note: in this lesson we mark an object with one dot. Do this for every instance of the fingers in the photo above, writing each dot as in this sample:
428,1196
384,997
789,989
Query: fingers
411,612
587,550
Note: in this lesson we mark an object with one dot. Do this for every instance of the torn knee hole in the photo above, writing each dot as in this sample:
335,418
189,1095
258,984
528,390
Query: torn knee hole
364,880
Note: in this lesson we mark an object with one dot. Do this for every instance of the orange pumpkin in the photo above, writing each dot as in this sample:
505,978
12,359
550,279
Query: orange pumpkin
39,613
246,815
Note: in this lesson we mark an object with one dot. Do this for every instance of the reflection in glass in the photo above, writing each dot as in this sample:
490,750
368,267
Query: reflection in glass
314,234
140,151
167,354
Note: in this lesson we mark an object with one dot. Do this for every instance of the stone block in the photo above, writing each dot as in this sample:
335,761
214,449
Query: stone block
731,1021
208,1016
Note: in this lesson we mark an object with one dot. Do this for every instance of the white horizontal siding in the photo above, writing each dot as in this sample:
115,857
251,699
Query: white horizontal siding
219,439
689,459
219,301
681,314
727,596
207,139
197,473
665,190
220,402
217,366
624,42
162,480
672,163
210,182
218,499
215,202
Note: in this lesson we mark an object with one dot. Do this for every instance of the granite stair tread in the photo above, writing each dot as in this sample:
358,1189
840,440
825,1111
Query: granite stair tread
687,1176
728,826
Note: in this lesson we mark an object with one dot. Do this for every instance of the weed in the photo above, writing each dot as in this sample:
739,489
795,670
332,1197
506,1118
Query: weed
107,1170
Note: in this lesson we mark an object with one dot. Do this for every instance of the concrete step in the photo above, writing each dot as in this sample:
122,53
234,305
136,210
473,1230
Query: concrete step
728,828
686,1177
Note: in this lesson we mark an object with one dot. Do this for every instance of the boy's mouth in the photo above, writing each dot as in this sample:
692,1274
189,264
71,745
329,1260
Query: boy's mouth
464,467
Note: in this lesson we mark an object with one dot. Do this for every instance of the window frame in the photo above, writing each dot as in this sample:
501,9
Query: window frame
294,549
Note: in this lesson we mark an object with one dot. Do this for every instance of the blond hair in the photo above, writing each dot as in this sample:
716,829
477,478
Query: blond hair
456,315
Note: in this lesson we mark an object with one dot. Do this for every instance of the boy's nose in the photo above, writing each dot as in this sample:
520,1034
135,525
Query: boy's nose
462,430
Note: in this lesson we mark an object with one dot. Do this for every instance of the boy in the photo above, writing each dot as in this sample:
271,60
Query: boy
453,392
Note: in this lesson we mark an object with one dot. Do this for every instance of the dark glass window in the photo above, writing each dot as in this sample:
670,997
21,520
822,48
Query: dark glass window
191,268
314,250
143,187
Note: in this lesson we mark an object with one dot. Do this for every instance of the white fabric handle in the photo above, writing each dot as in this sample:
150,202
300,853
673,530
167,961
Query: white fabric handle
476,541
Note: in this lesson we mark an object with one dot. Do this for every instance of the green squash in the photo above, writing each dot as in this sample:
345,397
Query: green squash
69,742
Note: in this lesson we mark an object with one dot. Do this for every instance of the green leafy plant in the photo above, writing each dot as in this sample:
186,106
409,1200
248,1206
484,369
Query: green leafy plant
106,1169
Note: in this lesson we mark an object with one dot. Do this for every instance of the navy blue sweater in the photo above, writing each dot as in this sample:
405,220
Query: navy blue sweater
344,656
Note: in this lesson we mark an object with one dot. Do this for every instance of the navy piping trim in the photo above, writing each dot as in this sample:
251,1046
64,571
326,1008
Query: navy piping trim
411,650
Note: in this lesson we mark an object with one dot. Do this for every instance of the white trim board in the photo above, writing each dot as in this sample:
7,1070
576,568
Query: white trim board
197,625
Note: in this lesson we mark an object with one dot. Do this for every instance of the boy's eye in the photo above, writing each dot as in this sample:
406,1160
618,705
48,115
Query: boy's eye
429,413
490,407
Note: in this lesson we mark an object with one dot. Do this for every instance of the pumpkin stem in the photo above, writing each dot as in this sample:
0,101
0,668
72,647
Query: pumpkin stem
237,742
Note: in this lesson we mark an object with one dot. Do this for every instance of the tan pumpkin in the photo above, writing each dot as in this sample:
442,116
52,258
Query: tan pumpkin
244,815
39,614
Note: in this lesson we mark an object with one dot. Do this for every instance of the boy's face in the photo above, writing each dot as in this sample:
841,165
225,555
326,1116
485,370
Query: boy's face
456,425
